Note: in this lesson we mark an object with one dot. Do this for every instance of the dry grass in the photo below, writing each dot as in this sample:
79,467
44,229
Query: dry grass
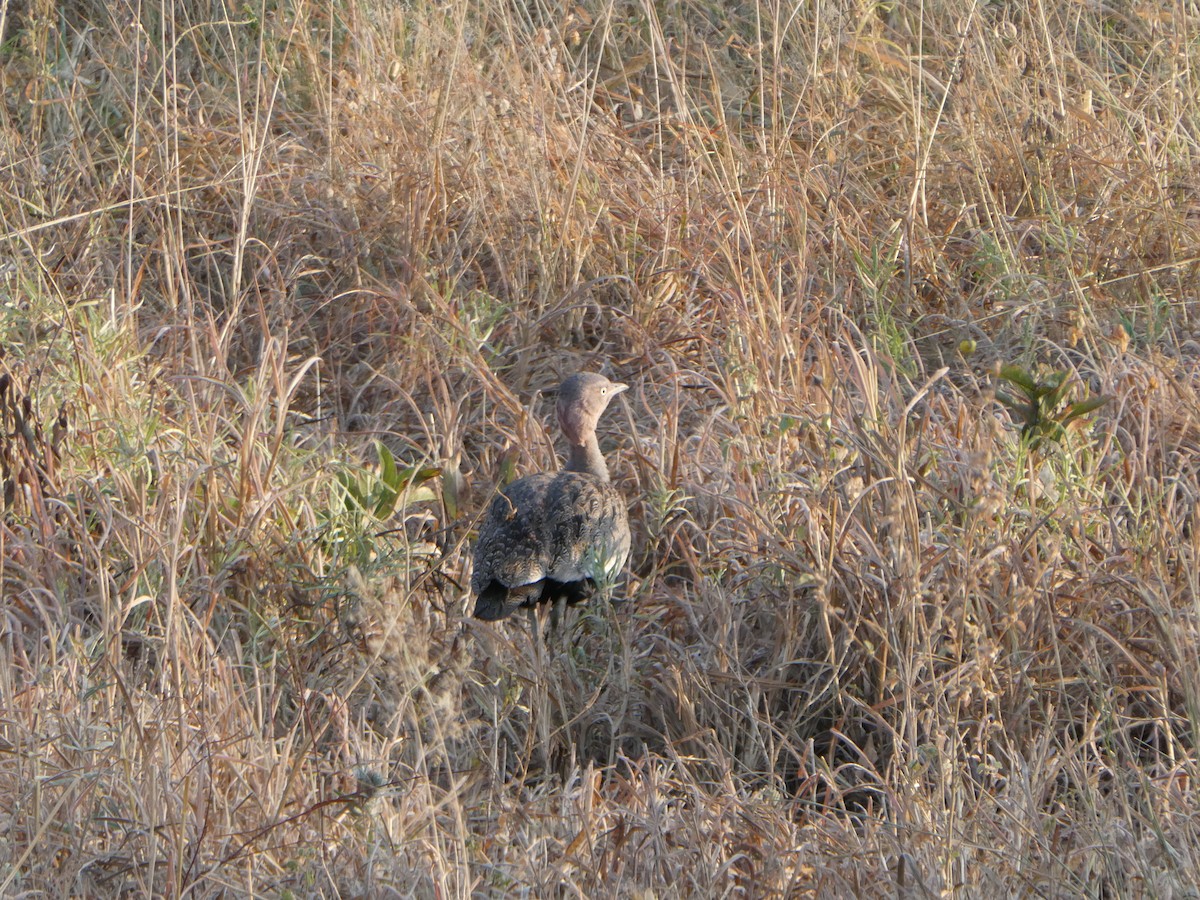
875,641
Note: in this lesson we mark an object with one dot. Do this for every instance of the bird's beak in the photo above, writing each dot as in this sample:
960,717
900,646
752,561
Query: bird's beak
618,387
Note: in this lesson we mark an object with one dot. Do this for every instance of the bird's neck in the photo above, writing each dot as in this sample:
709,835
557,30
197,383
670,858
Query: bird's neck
586,458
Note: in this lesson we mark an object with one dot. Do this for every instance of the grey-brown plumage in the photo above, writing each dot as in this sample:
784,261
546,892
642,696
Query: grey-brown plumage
550,537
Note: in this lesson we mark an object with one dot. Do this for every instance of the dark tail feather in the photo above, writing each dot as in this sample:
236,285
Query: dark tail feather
496,601
489,605
572,591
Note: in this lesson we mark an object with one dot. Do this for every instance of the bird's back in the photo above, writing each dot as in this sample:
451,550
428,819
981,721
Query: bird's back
547,536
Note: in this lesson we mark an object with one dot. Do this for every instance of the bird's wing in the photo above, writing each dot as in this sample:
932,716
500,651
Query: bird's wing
511,547
587,529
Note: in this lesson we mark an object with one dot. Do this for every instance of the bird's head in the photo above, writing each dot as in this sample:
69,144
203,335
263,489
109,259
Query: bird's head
582,399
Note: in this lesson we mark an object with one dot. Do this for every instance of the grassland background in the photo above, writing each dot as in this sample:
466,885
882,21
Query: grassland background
875,641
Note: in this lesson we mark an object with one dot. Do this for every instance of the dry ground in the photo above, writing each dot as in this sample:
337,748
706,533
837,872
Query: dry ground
279,286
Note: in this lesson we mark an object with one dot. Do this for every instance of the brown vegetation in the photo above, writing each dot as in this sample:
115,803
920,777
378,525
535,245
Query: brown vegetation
884,632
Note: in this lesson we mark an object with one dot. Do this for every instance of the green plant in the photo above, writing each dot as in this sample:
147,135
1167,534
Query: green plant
875,272
365,497
376,493
1044,409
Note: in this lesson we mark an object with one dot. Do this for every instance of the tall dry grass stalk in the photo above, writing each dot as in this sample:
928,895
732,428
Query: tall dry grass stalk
875,640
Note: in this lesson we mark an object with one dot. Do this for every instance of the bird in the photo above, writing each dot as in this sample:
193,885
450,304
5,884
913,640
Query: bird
556,536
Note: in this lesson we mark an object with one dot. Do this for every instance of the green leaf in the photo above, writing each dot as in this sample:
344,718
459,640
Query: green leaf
351,487
387,466
452,488
1055,389
417,475
1083,407
1026,412
386,504
411,480
1021,378
508,468
388,489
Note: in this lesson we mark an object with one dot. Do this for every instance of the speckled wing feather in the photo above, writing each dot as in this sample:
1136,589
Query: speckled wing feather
509,549
585,528
544,537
